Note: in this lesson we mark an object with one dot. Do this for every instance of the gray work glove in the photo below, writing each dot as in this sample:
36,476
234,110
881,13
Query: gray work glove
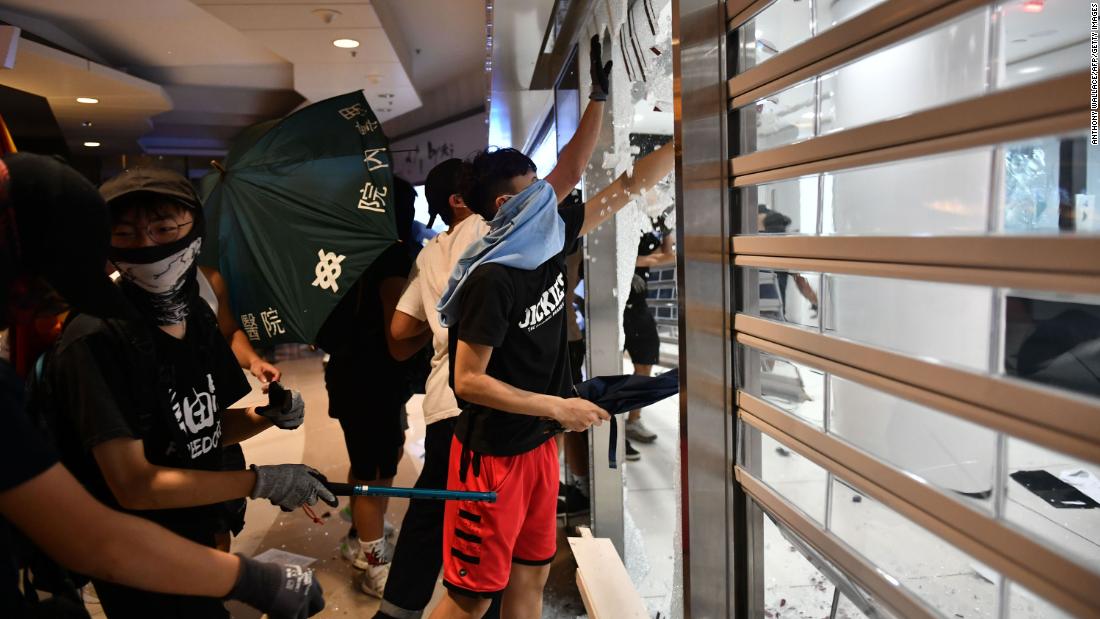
638,284
280,591
285,408
600,73
290,486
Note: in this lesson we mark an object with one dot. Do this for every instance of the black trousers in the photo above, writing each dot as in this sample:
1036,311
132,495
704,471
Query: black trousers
418,556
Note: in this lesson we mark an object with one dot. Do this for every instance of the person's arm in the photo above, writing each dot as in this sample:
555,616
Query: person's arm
667,255
404,326
806,289
241,424
113,546
474,385
135,552
246,356
573,159
140,485
410,316
647,172
400,349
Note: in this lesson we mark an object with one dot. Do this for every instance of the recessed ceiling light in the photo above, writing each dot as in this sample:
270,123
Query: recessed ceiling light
87,100
91,144
1032,69
346,43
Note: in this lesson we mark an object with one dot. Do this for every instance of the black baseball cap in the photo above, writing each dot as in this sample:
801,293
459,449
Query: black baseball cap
159,181
442,183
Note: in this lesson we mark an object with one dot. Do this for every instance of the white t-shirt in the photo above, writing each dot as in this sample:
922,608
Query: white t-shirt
427,281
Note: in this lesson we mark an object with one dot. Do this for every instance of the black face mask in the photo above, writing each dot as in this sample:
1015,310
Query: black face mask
161,280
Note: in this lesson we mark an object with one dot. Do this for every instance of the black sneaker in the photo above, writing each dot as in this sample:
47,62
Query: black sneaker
572,502
632,455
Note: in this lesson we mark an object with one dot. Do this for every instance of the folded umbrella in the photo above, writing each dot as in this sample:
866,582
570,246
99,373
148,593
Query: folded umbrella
619,394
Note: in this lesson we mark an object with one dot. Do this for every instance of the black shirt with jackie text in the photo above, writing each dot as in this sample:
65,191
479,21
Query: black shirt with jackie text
521,315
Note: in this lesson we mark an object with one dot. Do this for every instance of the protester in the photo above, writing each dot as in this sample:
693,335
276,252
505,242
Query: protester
417,558
53,224
510,370
368,385
642,342
774,222
138,405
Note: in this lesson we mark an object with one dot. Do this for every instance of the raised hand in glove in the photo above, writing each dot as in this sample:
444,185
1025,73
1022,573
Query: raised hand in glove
285,408
280,591
600,72
290,486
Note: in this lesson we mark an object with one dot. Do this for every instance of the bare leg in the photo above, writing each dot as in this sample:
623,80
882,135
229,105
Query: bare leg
368,512
639,370
454,606
523,596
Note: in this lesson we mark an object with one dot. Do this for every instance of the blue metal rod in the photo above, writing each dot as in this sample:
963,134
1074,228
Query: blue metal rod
340,489
425,493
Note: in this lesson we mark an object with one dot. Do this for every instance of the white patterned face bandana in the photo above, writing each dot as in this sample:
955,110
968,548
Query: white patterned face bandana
161,280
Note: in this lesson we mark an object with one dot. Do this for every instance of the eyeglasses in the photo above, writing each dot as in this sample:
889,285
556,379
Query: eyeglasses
162,232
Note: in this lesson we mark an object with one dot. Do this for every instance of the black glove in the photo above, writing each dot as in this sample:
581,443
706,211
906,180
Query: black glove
290,486
285,408
601,73
281,591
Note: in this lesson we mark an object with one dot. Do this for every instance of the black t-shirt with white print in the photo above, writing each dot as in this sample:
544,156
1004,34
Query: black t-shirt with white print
102,391
521,314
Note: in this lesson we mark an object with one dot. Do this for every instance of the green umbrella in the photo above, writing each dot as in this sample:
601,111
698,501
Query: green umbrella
304,206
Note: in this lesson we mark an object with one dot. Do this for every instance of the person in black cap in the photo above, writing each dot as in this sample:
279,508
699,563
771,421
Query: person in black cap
368,383
53,226
139,405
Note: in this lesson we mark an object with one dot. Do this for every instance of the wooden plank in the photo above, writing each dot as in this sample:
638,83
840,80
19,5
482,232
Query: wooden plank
605,587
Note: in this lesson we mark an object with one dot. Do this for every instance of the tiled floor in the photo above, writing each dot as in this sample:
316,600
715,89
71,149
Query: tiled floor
652,502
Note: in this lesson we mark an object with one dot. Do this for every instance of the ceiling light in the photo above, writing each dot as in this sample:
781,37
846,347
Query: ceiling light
91,144
1027,70
1033,6
346,43
87,100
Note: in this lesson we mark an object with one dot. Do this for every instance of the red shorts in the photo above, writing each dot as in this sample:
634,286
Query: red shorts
482,540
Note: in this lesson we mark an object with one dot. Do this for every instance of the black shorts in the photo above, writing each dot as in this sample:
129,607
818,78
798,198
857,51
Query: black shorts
642,343
374,438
